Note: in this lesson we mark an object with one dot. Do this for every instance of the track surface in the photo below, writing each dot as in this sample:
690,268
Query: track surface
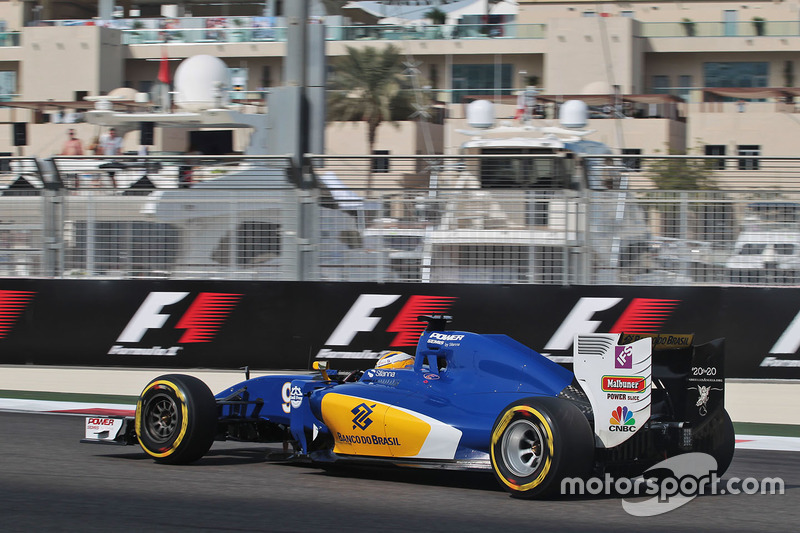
49,481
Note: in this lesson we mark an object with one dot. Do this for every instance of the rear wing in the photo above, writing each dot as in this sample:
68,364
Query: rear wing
693,376
630,379
617,380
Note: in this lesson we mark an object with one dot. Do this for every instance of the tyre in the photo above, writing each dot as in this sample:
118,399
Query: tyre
719,442
176,419
537,442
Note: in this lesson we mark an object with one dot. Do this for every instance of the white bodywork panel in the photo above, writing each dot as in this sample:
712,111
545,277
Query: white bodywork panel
617,380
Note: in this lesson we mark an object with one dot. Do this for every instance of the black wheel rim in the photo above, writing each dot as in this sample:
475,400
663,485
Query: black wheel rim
161,417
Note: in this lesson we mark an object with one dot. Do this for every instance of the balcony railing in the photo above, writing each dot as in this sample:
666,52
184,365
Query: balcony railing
748,28
256,29
253,33
9,38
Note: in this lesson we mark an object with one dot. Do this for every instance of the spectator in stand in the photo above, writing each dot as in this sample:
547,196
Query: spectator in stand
73,145
111,143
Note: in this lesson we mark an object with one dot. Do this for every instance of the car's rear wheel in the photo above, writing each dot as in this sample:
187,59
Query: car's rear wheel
719,442
176,419
537,442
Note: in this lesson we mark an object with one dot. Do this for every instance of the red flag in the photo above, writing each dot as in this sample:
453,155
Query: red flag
163,69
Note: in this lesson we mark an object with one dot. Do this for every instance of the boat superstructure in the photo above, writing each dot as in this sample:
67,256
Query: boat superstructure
519,205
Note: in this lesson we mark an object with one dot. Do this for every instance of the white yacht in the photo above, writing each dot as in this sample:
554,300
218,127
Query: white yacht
512,208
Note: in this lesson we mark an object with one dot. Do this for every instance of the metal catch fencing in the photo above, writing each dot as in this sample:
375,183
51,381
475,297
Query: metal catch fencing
450,219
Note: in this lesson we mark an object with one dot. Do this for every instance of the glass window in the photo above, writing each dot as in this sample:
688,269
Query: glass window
522,172
632,163
716,149
481,80
730,19
736,74
753,249
266,76
660,84
684,86
748,150
8,85
380,164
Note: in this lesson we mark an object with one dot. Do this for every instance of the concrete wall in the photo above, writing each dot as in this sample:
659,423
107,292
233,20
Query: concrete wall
589,58
58,61
13,13
759,124
404,138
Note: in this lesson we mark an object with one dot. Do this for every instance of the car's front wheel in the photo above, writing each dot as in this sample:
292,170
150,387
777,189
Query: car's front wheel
176,419
538,442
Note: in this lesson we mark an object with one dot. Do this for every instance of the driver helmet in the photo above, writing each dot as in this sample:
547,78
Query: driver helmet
392,360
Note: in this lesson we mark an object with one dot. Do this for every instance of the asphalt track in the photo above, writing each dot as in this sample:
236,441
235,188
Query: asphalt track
49,481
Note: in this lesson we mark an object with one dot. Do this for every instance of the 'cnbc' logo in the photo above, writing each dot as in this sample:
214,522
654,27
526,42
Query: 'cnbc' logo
622,420
362,412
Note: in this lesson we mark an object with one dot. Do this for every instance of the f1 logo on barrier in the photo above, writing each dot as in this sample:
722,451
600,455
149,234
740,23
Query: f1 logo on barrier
360,319
643,315
200,322
12,305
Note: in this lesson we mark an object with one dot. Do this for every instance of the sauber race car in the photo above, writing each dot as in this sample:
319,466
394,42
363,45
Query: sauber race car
463,401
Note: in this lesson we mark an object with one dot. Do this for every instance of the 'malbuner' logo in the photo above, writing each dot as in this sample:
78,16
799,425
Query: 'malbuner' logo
629,384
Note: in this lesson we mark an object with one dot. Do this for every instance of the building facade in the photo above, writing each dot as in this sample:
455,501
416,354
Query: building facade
715,78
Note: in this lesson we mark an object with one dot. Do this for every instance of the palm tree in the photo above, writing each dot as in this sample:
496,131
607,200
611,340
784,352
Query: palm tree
367,85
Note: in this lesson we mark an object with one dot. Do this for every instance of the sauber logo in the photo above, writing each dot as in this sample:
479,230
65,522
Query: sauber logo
360,318
12,305
200,322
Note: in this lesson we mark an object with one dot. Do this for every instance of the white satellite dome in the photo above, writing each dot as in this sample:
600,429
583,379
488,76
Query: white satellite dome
480,114
202,82
123,93
573,114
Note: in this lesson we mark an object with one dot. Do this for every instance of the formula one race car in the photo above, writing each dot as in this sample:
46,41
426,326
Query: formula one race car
464,401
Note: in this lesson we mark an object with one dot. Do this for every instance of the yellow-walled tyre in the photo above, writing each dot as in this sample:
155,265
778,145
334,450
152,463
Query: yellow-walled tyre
537,442
176,419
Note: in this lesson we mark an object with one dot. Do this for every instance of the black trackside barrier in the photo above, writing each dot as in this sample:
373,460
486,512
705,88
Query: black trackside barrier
287,325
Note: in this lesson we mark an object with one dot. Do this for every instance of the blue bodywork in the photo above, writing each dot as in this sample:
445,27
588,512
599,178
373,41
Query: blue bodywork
463,380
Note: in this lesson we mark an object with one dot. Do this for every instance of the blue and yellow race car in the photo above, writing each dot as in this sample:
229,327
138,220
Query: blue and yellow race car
463,401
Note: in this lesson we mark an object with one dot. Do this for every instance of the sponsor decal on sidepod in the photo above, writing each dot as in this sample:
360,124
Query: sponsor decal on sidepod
366,427
622,420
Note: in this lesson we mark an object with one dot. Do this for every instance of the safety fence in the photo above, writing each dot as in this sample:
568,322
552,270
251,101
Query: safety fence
509,219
